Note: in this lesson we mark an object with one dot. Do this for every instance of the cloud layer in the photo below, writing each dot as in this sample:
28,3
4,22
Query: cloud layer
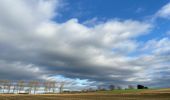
34,46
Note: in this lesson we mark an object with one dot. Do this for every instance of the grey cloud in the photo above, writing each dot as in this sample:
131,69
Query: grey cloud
100,54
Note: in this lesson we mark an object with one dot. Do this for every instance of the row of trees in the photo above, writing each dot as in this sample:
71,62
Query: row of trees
114,87
7,86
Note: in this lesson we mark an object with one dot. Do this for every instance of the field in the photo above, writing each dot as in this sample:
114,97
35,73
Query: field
162,94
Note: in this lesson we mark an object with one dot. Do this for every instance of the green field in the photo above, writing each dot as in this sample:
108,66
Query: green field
161,94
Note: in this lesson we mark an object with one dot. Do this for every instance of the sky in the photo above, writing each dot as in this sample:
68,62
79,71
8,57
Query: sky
87,43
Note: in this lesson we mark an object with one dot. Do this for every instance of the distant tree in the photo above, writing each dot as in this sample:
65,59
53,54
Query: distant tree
54,86
17,86
9,84
140,87
50,86
14,87
61,87
145,87
36,86
5,85
1,85
119,87
99,88
30,85
45,85
90,90
111,87
130,87
0,88
20,85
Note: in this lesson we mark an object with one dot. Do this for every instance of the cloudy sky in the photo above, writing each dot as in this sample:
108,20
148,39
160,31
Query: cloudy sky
86,42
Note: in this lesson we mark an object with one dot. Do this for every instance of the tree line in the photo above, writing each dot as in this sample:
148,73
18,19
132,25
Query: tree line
114,87
30,87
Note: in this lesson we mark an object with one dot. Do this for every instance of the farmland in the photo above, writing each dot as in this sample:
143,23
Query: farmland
161,94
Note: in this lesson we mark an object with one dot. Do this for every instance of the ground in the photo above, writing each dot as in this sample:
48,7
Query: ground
161,94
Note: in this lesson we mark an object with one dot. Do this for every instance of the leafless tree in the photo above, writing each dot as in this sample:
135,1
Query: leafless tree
8,83
112,87
119,87
20,86
54,85
45,84
99,87
5,84
1,85
14,86
50,86
130,87
30,85
35,85
61,87
17,87
9,86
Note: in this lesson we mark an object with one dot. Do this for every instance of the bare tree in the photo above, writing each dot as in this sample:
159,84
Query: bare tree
61,87
119,87
30,85
0,88
54,86
45,84
5,84
17,86
8,83
111,87
99,87
50,86
35,86
1,85
20,86
14,87
9,86
130,87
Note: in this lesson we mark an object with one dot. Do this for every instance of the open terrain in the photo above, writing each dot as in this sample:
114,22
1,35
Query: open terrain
161,94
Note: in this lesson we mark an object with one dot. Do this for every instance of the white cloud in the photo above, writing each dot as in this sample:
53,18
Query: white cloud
74,50
164,12
158,46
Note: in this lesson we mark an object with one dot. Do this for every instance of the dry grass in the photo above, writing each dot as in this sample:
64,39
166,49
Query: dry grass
162,94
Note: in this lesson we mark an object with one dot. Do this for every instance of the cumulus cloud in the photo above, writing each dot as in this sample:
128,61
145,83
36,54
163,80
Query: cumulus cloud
14,70
164,12
156,58
36,47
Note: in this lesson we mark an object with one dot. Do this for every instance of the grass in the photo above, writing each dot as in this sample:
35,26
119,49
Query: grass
151,94
126,91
